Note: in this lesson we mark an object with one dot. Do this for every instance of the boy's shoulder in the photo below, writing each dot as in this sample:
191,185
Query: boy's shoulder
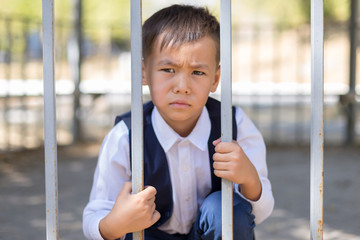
126,117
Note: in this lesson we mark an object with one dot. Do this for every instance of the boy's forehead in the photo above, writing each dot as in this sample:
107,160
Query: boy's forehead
163,42
201,52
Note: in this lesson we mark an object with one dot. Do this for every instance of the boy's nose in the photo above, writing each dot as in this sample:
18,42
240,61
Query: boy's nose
182,85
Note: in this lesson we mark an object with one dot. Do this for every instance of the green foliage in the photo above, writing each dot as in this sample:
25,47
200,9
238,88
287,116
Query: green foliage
108,12
31,9
102,20
337,10
23,8
109,21
334,10
295,12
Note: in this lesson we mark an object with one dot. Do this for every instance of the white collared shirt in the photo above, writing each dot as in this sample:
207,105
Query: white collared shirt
188,161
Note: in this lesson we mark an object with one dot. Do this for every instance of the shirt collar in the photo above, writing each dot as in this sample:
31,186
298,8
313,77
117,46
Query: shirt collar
168,137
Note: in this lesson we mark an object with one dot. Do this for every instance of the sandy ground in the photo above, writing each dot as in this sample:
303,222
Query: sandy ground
22,199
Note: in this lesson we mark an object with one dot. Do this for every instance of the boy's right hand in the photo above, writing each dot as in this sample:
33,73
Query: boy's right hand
131,213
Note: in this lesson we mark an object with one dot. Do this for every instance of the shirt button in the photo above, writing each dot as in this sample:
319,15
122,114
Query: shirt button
188,199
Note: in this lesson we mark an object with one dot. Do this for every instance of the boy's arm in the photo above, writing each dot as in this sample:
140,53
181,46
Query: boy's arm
230,162
107,193
131,213
251,143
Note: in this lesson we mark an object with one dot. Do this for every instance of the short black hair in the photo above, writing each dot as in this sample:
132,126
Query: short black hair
180,24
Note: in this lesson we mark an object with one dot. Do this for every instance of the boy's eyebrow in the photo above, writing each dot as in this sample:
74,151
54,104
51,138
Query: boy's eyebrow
200,66
171,63
167,62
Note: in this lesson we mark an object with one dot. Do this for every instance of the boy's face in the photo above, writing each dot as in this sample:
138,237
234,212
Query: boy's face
180,80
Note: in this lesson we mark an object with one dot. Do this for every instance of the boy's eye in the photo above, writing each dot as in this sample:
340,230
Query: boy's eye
199,73
168,70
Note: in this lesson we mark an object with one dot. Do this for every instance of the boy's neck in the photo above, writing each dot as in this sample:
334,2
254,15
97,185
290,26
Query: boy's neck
183,128
185,131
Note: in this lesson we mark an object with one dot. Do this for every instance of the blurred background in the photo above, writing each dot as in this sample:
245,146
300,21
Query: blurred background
271,69
271,82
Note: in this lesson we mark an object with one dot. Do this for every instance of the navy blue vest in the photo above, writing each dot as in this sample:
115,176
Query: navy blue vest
156,170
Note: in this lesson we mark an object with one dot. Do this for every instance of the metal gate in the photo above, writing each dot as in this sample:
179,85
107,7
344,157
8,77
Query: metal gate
317,120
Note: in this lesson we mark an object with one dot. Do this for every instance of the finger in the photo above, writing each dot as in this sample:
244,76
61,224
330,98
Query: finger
221,157
222,174
225,147
148,193
153,207
151,200
216,142
221,166
155,217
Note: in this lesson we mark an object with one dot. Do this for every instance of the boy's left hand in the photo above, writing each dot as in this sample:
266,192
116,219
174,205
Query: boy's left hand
231,162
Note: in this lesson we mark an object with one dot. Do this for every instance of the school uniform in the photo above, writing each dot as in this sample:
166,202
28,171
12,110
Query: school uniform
183,177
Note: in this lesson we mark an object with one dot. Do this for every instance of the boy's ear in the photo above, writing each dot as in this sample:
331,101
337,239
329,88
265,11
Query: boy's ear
216,80
144,79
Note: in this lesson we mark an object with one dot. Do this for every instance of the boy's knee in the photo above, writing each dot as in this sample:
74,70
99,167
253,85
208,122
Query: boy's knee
210,217
211,207
243,217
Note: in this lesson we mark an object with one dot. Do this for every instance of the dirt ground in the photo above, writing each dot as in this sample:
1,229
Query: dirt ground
22,198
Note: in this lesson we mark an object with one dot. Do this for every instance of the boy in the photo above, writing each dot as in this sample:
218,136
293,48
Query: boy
184,159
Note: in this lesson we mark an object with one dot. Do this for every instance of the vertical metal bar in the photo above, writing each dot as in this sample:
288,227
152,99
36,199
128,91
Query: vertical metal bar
317,119
300,114
255,63
52,224
136,103
24,126
350,135
75,59
8,60
276,75
226,113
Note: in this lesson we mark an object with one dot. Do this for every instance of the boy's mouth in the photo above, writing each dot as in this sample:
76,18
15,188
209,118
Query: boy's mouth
180,104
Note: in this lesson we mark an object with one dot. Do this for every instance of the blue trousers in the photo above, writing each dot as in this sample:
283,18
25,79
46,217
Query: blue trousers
208,223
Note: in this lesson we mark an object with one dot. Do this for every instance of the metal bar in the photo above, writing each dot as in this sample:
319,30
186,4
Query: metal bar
350,134
136,103
226,113
75,59
8,61
276,74
255,63
52,224
317,119
24,59
300,114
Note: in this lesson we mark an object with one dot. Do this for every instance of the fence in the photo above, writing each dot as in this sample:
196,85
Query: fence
271,82
22,106
317,121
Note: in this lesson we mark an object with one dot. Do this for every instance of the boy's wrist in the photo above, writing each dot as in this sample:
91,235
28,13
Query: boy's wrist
251,190
106,229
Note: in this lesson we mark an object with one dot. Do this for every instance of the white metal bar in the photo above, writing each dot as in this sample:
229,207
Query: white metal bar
50,142
136,103
226,113
317,119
